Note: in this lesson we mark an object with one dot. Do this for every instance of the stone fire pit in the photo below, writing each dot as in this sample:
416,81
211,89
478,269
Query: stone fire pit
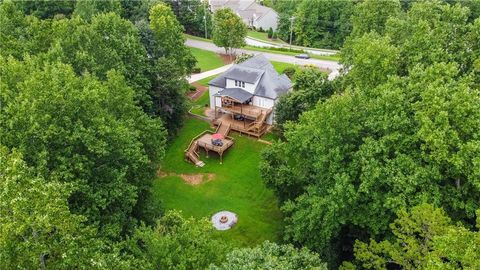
224,220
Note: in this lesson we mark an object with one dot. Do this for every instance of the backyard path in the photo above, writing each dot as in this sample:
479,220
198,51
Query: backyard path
323,64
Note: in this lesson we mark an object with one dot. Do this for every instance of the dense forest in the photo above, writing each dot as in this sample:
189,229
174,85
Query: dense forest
377,169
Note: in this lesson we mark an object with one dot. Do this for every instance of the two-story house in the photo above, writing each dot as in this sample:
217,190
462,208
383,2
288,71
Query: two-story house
245,95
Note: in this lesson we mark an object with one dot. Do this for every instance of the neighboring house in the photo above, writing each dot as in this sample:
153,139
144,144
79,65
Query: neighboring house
245,95
252,13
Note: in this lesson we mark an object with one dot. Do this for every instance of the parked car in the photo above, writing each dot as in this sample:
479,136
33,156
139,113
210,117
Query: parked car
303,56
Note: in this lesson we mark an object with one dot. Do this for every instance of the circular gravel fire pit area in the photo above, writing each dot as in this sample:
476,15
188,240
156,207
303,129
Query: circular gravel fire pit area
224,220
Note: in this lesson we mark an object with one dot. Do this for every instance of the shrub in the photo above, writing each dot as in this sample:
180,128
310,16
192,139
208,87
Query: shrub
196,70
274,35
270,32
192,88
289,71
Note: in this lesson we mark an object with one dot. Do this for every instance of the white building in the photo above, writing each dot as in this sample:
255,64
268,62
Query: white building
248,92
252,13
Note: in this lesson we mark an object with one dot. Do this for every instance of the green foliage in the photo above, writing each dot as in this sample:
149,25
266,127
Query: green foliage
38,231
242,57
311,86
44,9
108,42
87,9
229,31
316,23
402,131
424,238
270,32
168,34
79,130
178,243
271,256
372,15
194,15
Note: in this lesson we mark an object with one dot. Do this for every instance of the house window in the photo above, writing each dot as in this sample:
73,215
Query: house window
243,84
236,83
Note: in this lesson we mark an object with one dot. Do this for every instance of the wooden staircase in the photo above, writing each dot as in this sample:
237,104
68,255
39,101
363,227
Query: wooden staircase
258,123
192,155
223,129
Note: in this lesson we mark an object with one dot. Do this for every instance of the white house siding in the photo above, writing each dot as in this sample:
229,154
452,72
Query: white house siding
270,19
263,102
249,87
212,90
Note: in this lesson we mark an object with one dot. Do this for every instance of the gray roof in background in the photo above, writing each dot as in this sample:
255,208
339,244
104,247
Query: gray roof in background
271,84
236,93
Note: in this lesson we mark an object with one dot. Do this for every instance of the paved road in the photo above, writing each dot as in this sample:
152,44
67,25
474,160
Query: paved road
206,74
333,66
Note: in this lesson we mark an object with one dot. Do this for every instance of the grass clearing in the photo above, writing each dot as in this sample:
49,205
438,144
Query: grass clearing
237,187
263,36
281,66
206,60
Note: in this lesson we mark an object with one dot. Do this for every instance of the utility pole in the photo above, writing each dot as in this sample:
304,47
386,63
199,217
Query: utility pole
205,17
291,30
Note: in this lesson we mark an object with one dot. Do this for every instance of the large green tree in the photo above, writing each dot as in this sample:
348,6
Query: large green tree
229,31
168,33
194,15
372,15
311,86
322,23
271,256
82,131
37,229
178,243
401,131
424,238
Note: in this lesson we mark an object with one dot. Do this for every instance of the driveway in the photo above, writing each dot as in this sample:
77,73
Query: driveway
333,66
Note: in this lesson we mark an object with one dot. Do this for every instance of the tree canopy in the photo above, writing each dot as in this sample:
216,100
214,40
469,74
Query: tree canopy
271,256
399,131
81,131
425,238
229,31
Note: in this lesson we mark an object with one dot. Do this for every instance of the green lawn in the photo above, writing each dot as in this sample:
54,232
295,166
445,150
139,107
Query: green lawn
263,36
199,105
205,81
237,187
281,66
206,60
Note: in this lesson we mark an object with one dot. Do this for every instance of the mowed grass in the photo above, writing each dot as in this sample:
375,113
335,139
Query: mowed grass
263,36
237,187
281,66
206,60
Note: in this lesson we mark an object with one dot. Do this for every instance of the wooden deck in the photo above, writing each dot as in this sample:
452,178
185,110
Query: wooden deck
244,127
248,110
204,140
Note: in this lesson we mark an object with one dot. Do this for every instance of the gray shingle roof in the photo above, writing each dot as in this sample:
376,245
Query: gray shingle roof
271,84
244,74
236,93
